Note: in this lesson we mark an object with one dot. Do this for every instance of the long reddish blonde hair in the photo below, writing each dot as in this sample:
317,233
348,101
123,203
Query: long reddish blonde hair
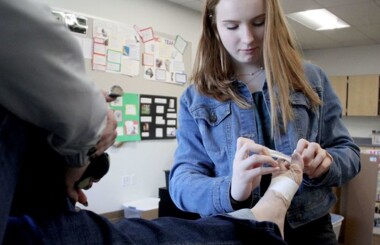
213,67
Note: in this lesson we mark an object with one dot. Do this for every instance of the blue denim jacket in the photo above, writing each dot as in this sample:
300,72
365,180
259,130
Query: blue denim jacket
200,178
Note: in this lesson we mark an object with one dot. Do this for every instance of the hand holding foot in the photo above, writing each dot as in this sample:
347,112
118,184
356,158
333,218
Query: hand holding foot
276,200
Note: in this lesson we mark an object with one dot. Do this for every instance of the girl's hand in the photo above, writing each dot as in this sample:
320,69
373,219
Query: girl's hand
248,168
317,161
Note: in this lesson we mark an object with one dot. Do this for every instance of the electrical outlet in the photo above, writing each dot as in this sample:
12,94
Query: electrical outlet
132,179
125,180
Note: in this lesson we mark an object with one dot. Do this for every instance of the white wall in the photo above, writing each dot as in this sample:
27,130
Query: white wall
361,60
362,126
147,160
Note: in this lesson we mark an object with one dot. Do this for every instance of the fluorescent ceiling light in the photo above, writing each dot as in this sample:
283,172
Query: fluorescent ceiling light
318,19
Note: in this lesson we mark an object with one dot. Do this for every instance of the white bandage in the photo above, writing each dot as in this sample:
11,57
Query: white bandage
285,186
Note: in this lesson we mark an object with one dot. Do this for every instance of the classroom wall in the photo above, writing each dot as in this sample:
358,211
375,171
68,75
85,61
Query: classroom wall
148,159
362,60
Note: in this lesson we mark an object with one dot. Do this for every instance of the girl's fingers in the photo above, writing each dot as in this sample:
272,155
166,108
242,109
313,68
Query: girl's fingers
258,160
302,144
256,172
250,147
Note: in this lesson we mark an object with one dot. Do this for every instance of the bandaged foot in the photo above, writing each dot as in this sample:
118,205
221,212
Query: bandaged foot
287,181
276,200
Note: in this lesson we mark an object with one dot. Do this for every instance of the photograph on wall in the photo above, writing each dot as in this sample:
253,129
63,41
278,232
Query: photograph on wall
158,117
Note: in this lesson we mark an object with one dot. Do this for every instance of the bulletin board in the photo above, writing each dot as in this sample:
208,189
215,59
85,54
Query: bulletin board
147,64
130,50
158,117
145,117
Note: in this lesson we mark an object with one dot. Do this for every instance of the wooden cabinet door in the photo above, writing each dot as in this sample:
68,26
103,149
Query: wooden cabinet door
363,95
339,83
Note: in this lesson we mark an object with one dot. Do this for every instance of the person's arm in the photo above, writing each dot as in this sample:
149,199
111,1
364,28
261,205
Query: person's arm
43,80
193,185
335,139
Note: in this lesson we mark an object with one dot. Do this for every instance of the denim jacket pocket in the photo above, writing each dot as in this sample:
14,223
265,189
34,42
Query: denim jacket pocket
305,117
299,99
214,125
213,115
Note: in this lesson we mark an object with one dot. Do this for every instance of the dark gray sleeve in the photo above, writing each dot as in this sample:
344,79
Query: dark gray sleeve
43,79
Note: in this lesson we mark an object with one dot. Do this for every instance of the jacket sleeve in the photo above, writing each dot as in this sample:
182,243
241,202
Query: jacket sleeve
335,138
193,185
43,79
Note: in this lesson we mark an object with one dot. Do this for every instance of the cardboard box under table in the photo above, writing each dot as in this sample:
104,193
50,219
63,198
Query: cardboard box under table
146,208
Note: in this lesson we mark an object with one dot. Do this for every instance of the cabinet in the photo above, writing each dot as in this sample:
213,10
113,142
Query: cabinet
363,95
359,94
357,203
339,83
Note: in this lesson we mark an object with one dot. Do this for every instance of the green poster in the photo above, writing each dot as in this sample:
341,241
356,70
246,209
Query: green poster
126,109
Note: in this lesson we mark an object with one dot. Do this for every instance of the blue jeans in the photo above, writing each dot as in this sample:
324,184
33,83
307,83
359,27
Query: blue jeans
86,227
321,230
12,148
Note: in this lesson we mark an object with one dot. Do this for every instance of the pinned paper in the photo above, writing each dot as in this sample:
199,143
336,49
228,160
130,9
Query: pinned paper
148,59
146,34
180,44
137,29
180,78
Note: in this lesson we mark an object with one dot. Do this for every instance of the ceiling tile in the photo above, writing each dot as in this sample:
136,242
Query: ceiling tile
358,14
341,35
313,40
291,6
296,26
372,31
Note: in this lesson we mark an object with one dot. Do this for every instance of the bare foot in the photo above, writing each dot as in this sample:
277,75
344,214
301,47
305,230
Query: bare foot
276,200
